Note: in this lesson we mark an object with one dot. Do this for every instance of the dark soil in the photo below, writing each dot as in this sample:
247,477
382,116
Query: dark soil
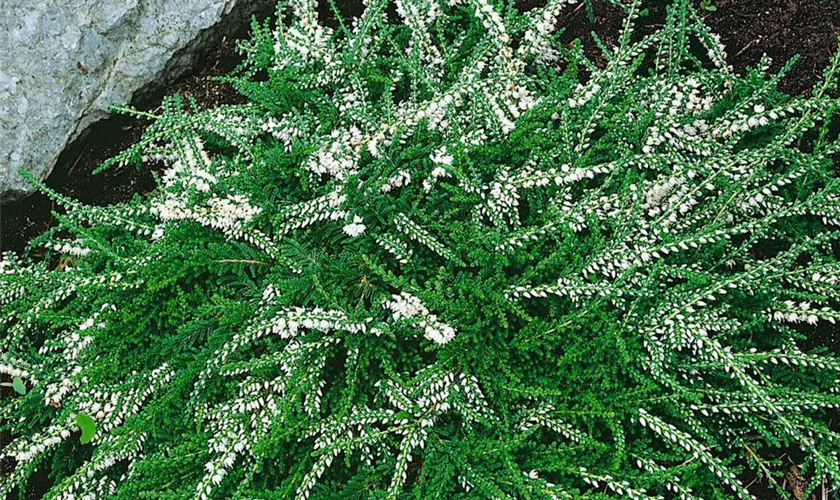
781,29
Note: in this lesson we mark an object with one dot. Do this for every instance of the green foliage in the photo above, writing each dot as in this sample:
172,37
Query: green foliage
18,385
88,427
708,5
442,255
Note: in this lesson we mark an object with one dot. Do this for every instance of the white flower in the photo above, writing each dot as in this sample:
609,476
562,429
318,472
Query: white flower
372,148
402,178
405,305
355,228
440,156
438,332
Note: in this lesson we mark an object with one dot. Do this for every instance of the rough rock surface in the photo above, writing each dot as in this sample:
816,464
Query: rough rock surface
64,62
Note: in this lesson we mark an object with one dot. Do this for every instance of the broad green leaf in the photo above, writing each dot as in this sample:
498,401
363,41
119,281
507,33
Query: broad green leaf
18,385
88,427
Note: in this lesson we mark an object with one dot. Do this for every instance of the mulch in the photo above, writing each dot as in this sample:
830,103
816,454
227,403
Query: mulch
781,29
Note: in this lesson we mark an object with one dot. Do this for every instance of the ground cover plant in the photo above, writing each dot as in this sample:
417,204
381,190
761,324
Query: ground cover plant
439,254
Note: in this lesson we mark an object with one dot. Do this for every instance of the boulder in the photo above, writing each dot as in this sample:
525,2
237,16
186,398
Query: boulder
64,62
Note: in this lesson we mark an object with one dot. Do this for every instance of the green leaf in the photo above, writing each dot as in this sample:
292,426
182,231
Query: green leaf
88,427
18,385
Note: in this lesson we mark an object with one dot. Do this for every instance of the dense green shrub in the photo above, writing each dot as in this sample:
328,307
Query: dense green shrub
441,254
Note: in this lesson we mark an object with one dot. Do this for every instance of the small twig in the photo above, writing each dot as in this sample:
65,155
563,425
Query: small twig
78,159
746,47
574,12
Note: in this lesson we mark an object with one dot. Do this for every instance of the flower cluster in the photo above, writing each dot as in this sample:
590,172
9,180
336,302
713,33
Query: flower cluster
340,154
189,181
27,450
74,248
536,41
300,215
408,306
306,41
354,228
400,179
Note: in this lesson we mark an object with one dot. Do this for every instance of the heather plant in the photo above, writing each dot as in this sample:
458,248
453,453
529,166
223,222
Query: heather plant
441,254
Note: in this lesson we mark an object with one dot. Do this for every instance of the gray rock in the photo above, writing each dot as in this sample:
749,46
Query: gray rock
64,62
